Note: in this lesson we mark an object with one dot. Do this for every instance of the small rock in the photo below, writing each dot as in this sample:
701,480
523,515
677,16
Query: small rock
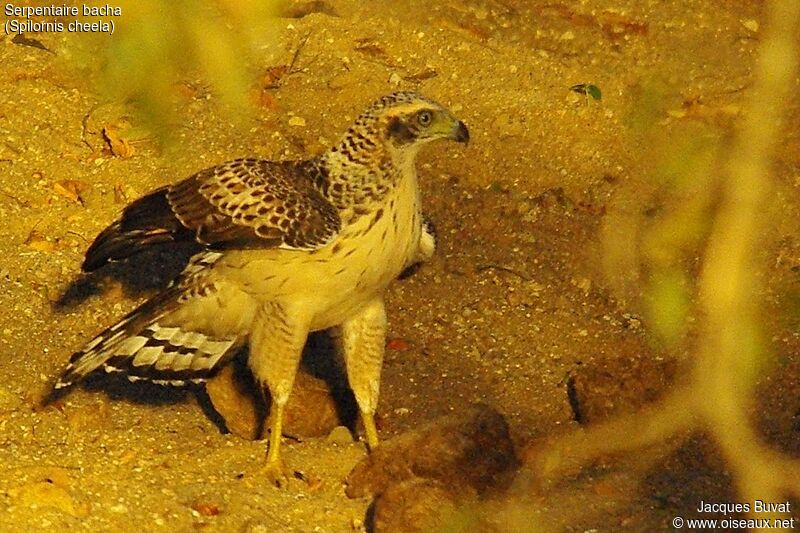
303,9
751,24
414,505
340,435
472,451
48,494
297,121
204,508
311,411
235,403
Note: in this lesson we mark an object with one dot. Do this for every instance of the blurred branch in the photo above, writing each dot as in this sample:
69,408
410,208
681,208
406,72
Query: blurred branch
162,47
730,355
675,414
719,397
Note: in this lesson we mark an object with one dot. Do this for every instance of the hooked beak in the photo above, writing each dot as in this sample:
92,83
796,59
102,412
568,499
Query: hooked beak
460,133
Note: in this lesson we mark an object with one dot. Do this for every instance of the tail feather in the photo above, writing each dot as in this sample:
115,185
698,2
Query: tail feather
142,349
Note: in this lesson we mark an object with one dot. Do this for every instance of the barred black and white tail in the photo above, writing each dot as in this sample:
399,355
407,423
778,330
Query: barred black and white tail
141,348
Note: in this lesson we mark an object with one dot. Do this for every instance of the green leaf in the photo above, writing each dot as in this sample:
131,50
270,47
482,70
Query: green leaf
588,89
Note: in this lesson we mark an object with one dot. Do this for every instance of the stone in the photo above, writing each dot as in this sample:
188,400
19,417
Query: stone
414,505
310,412
465,452
340,435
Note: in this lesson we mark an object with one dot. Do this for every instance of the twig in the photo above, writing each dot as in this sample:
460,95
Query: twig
85,125
72,232
491,266
296,55
21,203
719,398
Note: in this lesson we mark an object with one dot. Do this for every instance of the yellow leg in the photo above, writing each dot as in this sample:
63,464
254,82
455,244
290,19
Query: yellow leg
276,427
276,344
362,341
371,430
274,470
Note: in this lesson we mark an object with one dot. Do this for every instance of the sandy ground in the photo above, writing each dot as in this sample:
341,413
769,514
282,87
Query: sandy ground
514,305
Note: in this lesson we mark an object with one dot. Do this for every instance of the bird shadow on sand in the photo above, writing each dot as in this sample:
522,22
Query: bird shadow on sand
149,270
321,359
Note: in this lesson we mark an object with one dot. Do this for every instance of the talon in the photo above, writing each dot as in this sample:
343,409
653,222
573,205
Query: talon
276,473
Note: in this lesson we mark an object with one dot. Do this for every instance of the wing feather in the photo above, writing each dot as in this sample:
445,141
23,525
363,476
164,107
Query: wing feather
246,203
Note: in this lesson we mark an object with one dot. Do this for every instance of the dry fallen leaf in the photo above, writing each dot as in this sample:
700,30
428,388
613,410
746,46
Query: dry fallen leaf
398,344
314,482
267,101
370,49
206,508
272,77
422,75
71,189
124,193
37,241
373,50
119,145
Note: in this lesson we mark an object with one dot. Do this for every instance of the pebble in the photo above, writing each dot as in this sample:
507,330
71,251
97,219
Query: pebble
340,435
751,24
46,494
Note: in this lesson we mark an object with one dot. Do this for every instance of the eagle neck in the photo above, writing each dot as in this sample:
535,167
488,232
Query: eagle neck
359,177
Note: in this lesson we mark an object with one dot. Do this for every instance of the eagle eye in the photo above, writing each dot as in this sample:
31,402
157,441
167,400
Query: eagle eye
424,117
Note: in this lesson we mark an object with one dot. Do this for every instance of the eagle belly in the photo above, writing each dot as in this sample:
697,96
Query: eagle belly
335,281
